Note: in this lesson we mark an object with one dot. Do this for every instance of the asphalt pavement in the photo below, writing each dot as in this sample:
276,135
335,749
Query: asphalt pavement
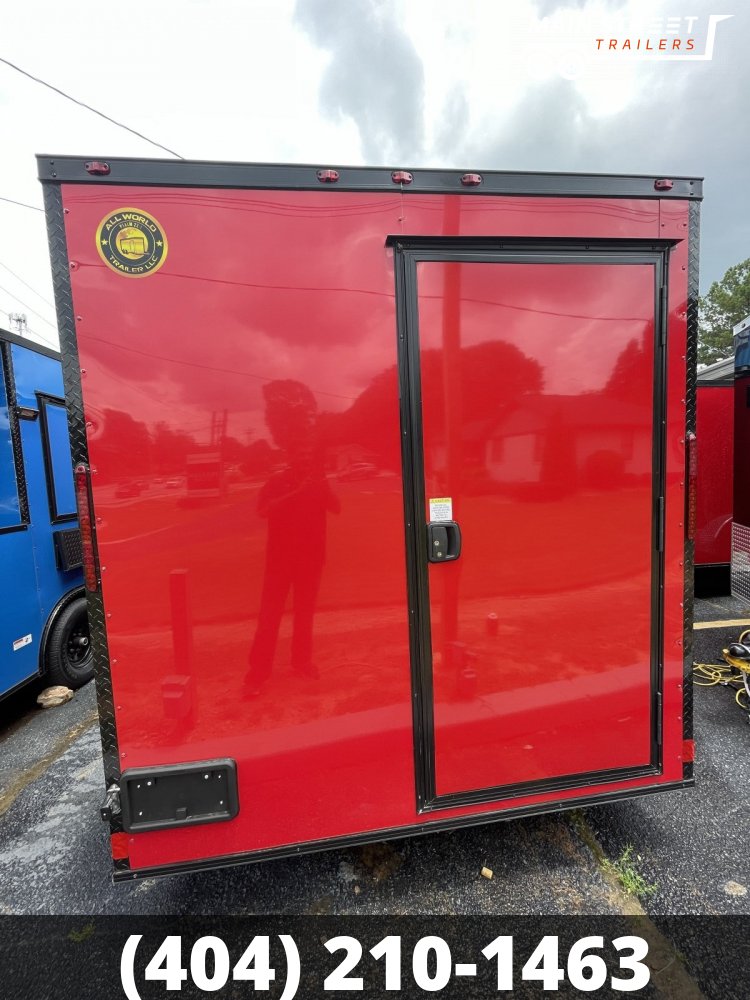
691,845
688,845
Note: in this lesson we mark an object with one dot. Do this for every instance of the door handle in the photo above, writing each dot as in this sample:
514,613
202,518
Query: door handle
443,541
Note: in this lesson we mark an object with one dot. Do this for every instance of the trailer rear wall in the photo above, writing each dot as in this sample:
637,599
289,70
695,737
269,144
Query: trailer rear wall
346,363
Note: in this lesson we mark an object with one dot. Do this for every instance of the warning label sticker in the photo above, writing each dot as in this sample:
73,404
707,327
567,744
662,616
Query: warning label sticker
20,643
441,509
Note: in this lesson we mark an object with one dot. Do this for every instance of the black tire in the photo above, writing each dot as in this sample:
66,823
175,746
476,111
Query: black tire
68,657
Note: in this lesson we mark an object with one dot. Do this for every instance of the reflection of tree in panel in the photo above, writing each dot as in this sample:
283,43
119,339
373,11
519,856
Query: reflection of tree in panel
631,368
171,448
492,376
259,458
118,433
548,445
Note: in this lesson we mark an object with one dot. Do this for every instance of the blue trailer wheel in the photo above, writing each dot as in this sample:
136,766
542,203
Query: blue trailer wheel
68,656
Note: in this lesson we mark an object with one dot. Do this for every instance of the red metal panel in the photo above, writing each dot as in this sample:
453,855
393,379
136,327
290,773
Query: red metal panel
537,390
449,215
715,434
741,467
242,406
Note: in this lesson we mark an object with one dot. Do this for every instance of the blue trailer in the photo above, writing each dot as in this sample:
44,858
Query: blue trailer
43,624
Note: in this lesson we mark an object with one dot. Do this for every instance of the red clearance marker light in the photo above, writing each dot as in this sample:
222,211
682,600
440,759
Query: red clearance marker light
471,180
663,184
328,176
83,502
692,445
97,167
688,751
402,177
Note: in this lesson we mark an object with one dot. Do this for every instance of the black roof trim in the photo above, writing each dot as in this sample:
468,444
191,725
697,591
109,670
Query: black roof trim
300,177
32,345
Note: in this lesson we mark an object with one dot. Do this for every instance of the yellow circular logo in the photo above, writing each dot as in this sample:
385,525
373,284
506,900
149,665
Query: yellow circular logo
131,242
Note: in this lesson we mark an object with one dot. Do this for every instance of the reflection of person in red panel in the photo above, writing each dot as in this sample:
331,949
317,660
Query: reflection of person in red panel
296,502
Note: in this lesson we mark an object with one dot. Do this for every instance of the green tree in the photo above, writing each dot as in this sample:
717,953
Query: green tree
727,302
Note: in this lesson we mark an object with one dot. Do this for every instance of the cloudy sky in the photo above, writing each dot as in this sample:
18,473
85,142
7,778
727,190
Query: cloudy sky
480,84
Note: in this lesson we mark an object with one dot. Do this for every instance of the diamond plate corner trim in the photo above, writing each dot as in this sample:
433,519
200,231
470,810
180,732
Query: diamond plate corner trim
740,566
58,250
691,364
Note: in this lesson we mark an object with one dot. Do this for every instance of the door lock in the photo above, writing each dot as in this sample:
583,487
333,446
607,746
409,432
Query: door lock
443,541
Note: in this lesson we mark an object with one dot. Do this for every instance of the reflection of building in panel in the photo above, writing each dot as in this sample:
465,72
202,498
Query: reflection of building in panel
599,453
204,475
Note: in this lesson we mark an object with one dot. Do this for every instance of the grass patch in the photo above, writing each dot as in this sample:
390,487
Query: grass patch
626,873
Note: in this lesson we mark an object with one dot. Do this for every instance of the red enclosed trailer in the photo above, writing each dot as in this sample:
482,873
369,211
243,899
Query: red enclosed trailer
713,508
407,548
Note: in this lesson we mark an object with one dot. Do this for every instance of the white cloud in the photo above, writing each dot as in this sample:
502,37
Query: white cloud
235,80
227,80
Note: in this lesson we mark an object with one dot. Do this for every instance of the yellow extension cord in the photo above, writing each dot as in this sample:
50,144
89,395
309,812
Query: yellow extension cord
734,673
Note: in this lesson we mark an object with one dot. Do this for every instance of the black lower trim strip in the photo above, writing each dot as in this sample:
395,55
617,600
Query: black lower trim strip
397,833
521,789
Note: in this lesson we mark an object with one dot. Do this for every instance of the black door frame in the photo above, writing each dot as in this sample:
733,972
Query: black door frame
408,252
